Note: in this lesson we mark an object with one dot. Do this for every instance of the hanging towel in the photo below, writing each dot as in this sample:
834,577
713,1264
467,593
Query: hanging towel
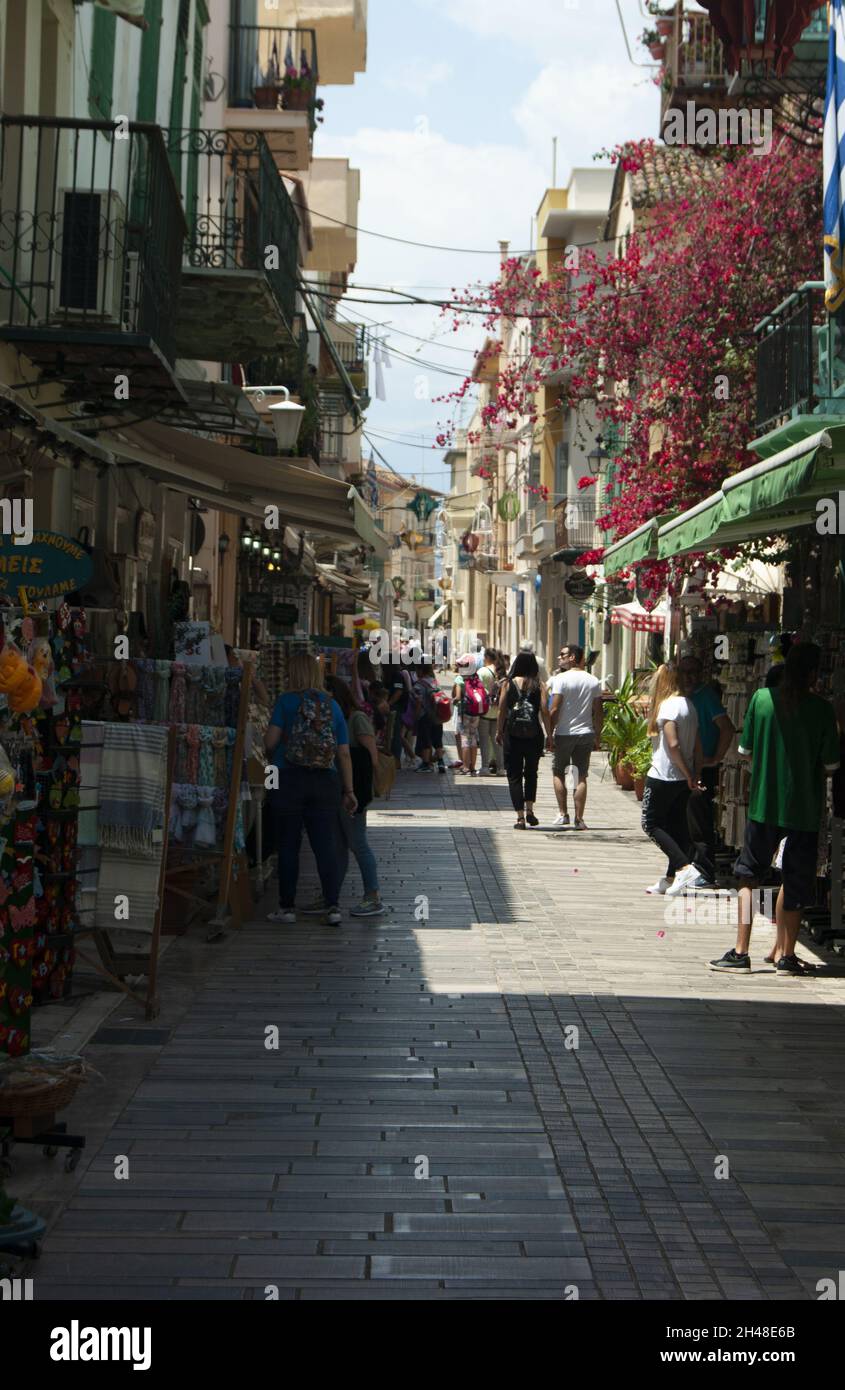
132,778
381,394
136,879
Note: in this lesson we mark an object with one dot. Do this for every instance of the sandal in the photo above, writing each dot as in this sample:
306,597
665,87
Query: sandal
519,824
531,818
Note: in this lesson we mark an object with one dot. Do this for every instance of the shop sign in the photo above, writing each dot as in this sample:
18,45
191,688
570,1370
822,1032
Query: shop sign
145,534
50,566
580,587
256,605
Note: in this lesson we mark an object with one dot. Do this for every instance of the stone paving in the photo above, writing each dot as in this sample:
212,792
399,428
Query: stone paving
526,1095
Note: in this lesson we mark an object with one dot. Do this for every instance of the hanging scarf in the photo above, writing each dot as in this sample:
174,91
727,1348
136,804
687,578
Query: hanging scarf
219,742
162,692
194,697
232,699
188,801
175,826
178,693
192,740
205,775
206,830
146,690
214,684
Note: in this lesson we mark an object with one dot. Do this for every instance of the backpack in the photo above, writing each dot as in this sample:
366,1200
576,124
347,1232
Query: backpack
311,741
476,699
441,707
523,720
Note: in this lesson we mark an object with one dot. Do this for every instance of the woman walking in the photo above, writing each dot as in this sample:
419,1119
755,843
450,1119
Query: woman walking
309,742
522,730
364,755
672,777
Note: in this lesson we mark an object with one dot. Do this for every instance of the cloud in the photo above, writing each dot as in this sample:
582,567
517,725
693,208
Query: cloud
418,78
594,106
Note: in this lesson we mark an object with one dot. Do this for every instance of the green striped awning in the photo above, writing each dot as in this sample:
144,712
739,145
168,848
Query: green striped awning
637,545
777,494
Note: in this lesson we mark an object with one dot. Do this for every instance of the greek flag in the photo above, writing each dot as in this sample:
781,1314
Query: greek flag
834,161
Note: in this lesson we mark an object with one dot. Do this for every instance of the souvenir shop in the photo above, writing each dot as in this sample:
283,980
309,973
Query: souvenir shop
740,624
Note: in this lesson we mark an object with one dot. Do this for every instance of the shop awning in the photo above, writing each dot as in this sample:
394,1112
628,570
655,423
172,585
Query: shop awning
21,416
776,494
234,480
637,545
367,527
341,583
637,619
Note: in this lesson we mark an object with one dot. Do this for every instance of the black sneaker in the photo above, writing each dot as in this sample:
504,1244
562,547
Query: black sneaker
791,965
731,961
493,770
441,766
703,882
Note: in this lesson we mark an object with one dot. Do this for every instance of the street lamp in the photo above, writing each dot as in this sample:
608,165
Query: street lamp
597,457
286,416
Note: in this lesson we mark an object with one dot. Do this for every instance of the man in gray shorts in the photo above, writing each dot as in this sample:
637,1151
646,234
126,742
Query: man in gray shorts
577,714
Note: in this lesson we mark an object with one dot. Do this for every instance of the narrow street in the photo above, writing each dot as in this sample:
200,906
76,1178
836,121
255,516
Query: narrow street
431,1125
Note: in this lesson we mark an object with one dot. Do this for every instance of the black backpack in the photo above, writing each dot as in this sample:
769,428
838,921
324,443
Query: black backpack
523,717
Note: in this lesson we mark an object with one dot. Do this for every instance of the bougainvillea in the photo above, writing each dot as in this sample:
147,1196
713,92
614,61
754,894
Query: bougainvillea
660,336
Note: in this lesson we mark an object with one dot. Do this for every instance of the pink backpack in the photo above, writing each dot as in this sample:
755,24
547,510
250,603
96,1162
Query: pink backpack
476,699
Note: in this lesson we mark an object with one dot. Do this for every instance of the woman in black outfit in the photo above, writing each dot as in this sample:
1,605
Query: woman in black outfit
522,730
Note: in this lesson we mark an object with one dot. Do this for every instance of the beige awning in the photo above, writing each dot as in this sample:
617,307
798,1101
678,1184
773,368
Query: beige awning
232,479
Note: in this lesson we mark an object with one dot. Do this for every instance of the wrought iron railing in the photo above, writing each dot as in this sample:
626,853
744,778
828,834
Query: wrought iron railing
273,68
785,365
575,522
694,53
242,217
91,228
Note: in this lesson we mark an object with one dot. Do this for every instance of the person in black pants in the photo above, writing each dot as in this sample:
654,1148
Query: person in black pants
522,730
672,777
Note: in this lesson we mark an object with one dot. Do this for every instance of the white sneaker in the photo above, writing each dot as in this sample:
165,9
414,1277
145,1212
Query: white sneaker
559,822
282,914
685,879
333,917
661,885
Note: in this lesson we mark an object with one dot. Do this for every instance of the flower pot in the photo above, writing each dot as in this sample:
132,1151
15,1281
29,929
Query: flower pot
657,51
665,26
639,787
266,98
626,776
298,98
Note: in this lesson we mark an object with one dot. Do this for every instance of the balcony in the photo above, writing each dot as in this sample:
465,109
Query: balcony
91,236
800,363
575,525
239,283
341,29
272,86
694,64
334,189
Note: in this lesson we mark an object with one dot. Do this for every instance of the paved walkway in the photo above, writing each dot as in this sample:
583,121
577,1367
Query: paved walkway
528,1093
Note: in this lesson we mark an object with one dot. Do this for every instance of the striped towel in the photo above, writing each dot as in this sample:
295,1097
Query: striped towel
132,778
135,879
90,763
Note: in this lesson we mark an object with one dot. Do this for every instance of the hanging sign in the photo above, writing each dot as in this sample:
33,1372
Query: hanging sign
580,586
256,605
284,614
51,565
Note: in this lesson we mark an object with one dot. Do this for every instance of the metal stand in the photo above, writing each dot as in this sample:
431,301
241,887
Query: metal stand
45,1130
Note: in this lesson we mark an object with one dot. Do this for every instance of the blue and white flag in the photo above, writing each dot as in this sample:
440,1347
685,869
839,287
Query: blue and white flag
834,161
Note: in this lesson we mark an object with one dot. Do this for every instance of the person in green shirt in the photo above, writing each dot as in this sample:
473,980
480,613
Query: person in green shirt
791,738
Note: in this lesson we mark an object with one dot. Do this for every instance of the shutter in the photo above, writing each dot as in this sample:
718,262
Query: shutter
150,50
101,72
177,94
196,106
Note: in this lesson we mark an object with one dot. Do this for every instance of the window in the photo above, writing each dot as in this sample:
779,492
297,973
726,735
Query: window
101,72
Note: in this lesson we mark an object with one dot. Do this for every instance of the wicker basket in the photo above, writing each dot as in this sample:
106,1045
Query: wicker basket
42,1095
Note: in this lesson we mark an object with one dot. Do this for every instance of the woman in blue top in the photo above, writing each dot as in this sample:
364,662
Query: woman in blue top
308,796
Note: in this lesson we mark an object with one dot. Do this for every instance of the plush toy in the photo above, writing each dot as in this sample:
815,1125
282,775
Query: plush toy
18,681
41,660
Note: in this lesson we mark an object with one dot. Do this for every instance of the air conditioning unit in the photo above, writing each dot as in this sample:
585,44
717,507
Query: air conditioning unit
93,275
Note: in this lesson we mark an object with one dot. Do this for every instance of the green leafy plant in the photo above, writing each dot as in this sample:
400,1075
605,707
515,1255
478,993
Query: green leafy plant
624,726
639,757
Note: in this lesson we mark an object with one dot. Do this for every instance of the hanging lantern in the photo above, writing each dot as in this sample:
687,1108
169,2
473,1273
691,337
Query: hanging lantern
446,581
398,585
422,505
469,542
508,506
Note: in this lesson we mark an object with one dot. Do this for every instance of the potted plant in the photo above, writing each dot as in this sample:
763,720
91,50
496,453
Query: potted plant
298,88
624,729
639,761
653,42
265,87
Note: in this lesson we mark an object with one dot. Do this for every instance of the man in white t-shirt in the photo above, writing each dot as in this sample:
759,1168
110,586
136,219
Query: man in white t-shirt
487,722
577,715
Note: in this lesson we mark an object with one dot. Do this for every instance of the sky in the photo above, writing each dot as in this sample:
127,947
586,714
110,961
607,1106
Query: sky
452,127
